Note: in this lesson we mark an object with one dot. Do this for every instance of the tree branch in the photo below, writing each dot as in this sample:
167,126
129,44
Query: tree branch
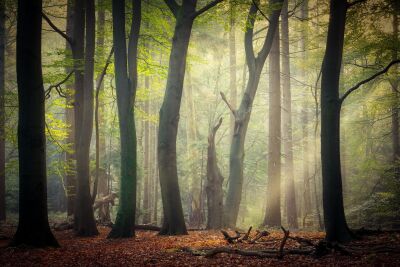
259,9
231,108
355,87
350,4
54,27
173,6
206,7
58,87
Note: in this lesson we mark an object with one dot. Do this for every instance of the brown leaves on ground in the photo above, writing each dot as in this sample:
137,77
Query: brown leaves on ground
149,249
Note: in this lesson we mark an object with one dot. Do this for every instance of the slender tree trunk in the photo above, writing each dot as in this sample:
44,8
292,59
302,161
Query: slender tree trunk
196,216
395,107
2,110
84,217
126,82
273,208
305,121
100,46
334,217
70,178
232,63
146,173
291,206
215,179
33,227
102,177
155,176
242,114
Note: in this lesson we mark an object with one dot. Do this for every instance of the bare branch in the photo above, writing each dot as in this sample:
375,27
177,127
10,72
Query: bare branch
231,108
173,6
206,7
58,87
52,25
355,87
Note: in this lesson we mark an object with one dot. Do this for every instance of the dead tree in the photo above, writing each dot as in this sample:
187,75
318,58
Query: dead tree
214,183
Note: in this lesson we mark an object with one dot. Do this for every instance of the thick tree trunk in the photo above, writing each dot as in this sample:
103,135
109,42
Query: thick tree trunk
70,178
215,179
273,207
291,205
2,110
173,223
242,114
33,227
85,224
334,217
126,81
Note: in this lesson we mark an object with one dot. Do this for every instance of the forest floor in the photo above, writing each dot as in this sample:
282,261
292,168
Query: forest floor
149,249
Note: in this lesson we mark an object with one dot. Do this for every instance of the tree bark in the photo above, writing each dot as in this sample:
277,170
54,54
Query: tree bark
85,224
215,179
146,173
2,110
232,64
173,222
70,178
196,215
305,121
126,81
242,114
395,107
273,207
33,227
334,217
291,205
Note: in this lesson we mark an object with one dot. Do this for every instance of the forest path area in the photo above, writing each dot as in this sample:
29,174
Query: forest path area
149,249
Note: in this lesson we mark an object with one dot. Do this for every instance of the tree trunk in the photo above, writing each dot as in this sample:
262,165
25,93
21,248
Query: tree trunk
146,173
126,82
70,177
395,107
291,206
155,176
196,215
215,179
33,227
334,217
273,208
242,114
173,223
85,224
102,177
232,63
305,121
2,110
